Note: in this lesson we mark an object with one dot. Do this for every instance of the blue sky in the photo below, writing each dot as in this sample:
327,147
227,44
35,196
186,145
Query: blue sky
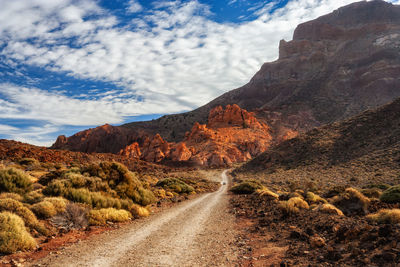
68,65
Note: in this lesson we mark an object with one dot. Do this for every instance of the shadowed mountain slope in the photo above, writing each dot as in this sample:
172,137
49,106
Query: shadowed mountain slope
365,147
335,67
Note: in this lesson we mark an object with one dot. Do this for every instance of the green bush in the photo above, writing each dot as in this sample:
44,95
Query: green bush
14,180
102,216
391,195
13,234
44,209
246,187
143,197
176,185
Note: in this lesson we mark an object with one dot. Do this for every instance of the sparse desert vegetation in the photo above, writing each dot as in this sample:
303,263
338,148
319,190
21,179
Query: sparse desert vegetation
319,230
62,197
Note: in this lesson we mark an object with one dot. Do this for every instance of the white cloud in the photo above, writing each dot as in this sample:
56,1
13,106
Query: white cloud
175,56
134,6
38,135
59,109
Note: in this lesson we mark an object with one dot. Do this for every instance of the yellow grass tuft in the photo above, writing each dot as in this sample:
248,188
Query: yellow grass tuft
314,198
12,196
266,192
139,211
391,216
59,203
330,209
102,216
44,209
13,234
293,205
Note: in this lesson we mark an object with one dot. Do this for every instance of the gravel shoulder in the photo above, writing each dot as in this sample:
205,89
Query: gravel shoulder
198,232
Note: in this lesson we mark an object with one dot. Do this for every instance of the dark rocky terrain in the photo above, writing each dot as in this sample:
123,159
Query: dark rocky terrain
360,150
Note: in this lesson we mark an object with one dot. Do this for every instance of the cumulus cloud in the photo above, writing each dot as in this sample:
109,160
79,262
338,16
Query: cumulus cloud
173,57
134,6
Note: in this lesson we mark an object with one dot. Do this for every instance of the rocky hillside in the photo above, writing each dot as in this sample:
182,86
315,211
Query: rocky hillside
14,151
365,148
335,67
231,135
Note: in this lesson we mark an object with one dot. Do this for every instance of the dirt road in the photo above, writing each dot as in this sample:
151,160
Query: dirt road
198,232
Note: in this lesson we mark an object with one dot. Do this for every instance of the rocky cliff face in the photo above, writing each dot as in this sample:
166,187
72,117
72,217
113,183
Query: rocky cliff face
335,67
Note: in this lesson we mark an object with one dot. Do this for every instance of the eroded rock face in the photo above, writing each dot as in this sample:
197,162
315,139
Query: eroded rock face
181,152
231,135
131,151
155,149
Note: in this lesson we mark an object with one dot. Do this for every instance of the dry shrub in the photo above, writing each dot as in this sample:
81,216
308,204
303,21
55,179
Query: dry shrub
352,202
112,179
330,209
14,180
139,211
246,187
314,198
265,192
391,195
59,203
13,234
75,216
18,208
102,216
293,205
371,192
44,209
33,197
391,216
176,185
28,161
295,194
160,193
12,196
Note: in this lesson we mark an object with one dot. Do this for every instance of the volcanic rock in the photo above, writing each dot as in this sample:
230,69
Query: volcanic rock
155,149
131,151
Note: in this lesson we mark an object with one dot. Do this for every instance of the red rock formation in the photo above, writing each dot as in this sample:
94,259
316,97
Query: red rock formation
231,135
181,152
131,151
156,149
232,115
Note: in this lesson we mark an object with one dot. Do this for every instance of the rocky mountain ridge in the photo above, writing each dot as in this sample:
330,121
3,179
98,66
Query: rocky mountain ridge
336,66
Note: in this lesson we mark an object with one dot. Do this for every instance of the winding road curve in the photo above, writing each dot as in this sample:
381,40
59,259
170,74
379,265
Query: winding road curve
198,232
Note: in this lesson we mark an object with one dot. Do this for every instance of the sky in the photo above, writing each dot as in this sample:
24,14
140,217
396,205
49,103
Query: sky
69,65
